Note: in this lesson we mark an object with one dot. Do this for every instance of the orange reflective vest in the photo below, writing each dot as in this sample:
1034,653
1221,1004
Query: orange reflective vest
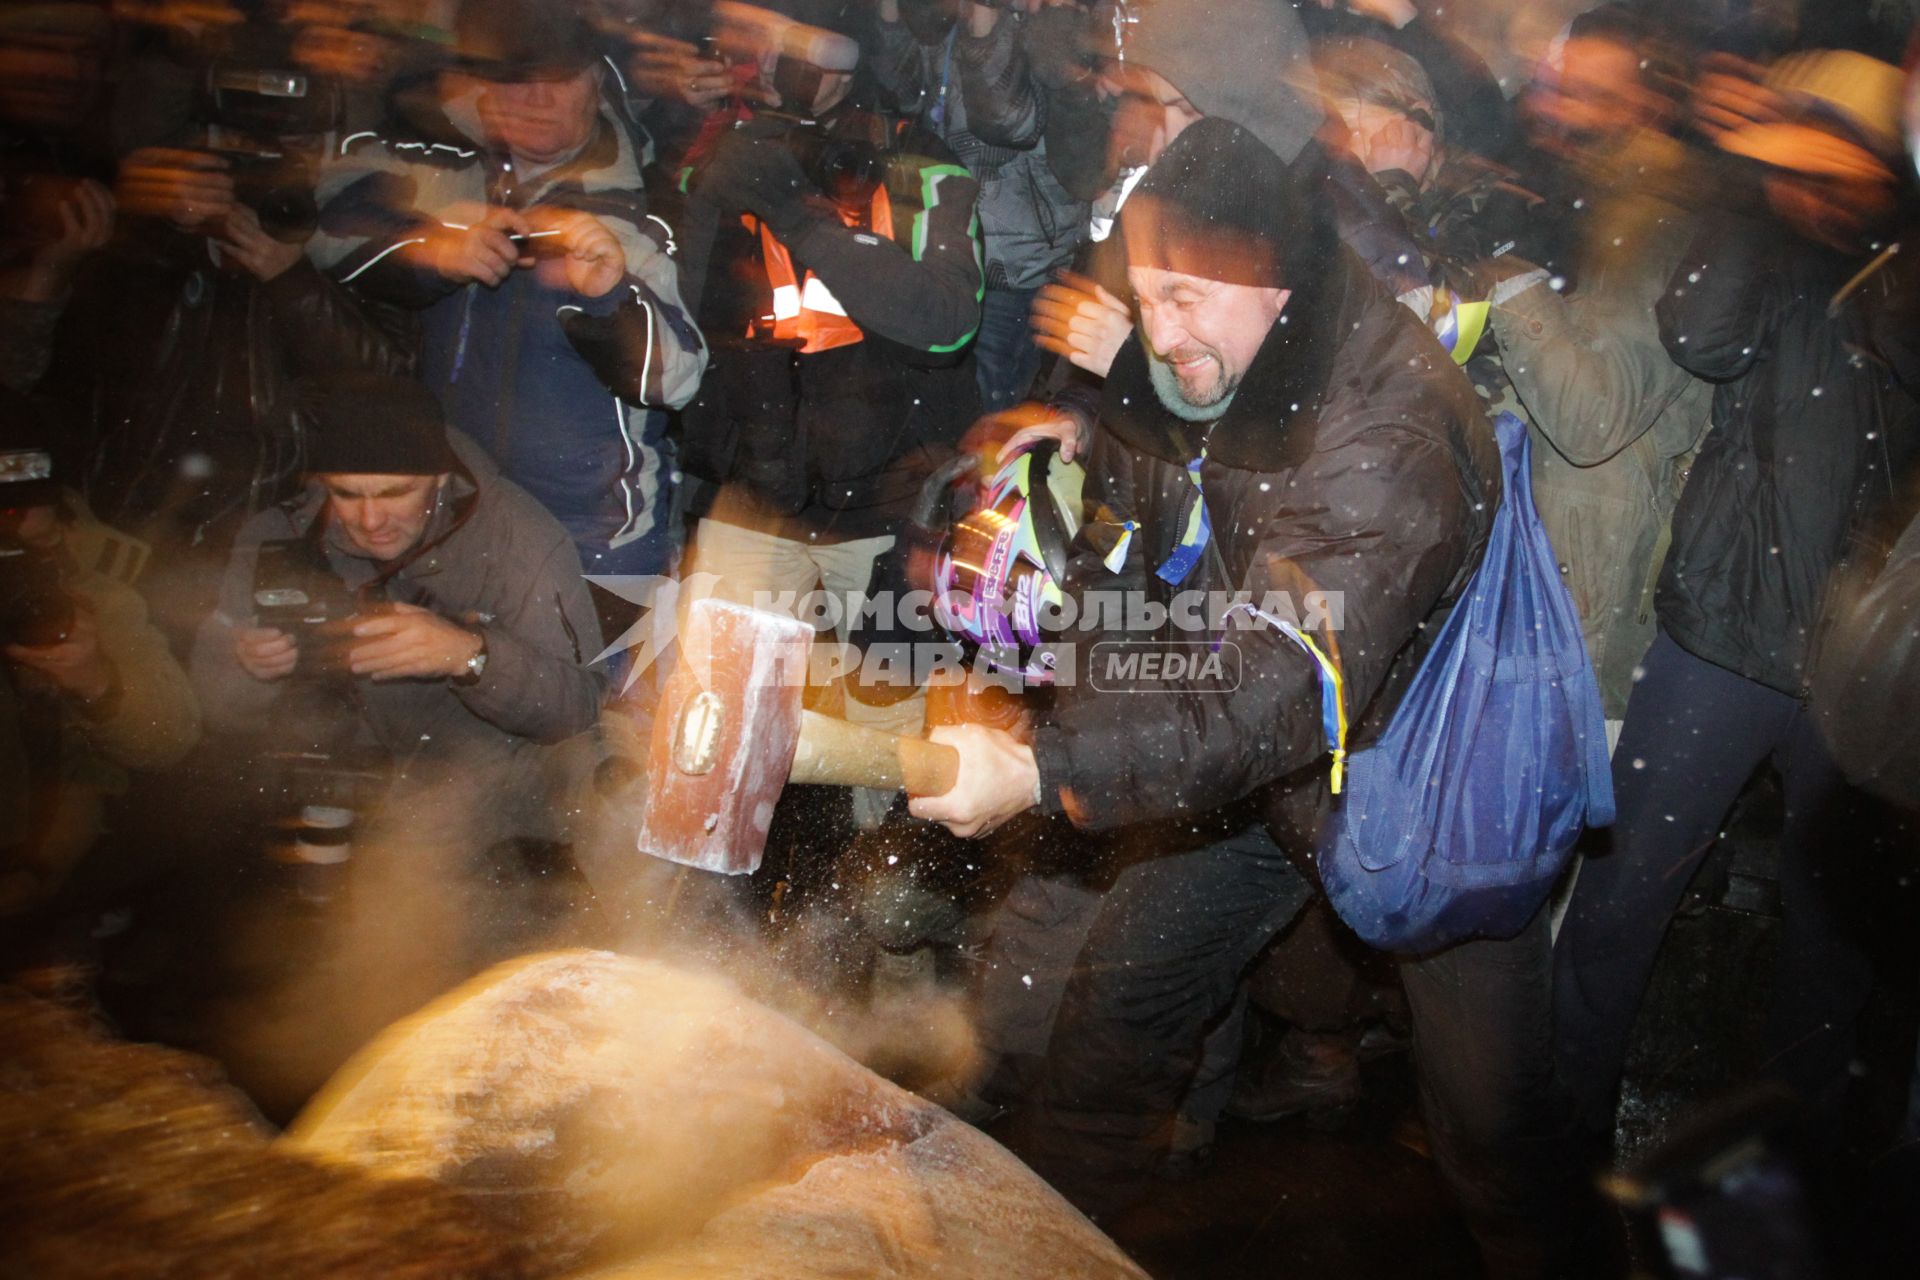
805,310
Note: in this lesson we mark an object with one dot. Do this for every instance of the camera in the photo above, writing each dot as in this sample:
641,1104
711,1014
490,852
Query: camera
275,185
253,115
35,609
265,116
259,100
295,591
839,156
847,168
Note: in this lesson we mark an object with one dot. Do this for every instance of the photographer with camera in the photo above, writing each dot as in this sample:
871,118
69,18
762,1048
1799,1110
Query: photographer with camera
221,131
416,591
89,689
507,209
847,280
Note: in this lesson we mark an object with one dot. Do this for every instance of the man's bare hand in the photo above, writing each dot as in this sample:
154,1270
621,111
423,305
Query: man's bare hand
997,780
75,665
86,224
1728,96
86,221
406,642
265,653
190,189
1400,144
1076,318
473,245
592,261
1034,422
248,244
662,67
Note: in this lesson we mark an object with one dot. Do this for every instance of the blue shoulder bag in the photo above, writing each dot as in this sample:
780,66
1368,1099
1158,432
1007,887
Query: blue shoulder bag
1458,821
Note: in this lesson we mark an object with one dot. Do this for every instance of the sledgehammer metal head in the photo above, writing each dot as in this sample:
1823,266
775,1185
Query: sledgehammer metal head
730,732
724,736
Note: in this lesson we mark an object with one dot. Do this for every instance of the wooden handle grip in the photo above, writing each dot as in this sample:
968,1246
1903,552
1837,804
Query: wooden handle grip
850,755
928,768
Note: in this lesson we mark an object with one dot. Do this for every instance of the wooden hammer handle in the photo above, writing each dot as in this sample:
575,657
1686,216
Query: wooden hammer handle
850,755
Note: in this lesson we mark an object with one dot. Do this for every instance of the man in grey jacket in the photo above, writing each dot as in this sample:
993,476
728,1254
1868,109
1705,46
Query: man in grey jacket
464,655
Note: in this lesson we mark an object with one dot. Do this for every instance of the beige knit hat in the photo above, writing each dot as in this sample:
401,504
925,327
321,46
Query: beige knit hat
1835,91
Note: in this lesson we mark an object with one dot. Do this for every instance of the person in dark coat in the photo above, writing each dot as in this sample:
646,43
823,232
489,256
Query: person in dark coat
843,296
1812,434
1277,427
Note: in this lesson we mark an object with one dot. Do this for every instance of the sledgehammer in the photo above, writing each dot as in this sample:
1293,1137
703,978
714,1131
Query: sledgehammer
730,733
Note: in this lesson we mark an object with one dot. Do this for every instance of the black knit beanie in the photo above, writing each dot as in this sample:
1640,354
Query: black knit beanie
1219,205
374,424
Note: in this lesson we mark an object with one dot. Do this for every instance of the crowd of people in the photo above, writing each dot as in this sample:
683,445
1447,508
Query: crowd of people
370,367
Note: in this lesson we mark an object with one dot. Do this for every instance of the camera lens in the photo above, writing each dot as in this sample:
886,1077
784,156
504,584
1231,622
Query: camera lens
288,213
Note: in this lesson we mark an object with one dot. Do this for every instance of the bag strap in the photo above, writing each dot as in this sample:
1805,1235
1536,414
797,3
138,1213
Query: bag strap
1579,687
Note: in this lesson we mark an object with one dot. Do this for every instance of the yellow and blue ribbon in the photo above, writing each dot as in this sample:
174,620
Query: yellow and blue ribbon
1193,538
1333,688
1461,329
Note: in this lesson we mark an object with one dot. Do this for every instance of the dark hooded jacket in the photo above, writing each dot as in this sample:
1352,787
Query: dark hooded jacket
1246,61
1812,435
1354,461
1241,60
836,444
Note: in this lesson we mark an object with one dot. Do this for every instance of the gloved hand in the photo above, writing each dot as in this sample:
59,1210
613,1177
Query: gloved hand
759,175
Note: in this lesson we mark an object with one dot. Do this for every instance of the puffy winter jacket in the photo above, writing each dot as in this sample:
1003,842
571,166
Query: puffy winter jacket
557,387
1812,435
1354,461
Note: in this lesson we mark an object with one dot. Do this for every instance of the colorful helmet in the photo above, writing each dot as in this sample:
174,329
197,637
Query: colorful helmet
1002,565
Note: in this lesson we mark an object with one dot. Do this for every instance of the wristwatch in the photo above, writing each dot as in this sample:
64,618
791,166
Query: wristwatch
476,665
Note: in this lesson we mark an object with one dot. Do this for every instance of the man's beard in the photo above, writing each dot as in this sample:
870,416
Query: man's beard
1166,385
